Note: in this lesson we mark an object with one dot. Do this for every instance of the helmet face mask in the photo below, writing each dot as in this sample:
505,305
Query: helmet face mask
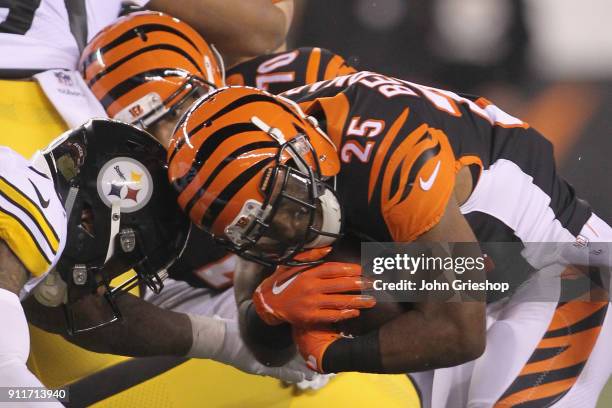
254,172
154,109
121,212
290,218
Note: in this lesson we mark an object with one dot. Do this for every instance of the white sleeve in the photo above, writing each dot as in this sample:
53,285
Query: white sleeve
14,350
140,3
16,374
15,342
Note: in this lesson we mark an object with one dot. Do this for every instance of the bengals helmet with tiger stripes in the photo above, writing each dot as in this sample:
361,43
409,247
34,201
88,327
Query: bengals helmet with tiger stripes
146,64
253,170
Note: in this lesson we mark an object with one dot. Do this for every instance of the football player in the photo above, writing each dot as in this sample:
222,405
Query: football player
110,177
407,163
155,102
45,38
32,237
152,89
56,221
280,72
132,93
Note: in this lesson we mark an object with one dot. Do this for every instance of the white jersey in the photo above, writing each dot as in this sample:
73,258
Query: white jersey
36,34
32,218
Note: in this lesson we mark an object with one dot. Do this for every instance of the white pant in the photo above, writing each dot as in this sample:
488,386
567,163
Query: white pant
181,297
517,358
14,350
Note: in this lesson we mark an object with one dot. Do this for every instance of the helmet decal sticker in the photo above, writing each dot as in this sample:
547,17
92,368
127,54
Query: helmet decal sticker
127,180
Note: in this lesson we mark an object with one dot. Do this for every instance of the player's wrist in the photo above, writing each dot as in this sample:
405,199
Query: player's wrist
259,331
360,353
208,336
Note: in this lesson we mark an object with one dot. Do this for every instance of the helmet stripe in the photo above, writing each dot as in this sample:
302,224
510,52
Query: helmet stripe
228,192
245,100
234,155
144,50
208,147
131,34
135,81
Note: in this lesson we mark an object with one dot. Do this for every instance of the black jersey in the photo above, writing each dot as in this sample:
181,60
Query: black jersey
203,261
282,71
401,145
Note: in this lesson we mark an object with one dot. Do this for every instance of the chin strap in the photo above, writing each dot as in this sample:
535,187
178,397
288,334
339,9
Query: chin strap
114,229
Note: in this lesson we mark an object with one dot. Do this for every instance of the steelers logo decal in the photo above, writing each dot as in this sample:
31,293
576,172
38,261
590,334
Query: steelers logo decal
127,181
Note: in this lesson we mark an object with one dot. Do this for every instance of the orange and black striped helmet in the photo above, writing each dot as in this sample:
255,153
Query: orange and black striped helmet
145,64
241,160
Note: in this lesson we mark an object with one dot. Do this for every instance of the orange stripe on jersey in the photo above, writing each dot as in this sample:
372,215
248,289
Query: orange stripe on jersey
536,393
336,112
468,161
417,183
573,312
381,152
569,351
401,161
312,68
337,67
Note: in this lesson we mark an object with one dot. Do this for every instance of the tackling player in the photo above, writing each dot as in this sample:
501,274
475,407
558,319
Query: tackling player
413,163
45,38
155,102
32,237
121,215
130,92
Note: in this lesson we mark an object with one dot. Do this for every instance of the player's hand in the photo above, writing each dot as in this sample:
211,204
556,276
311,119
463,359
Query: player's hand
235,353
308,295
312,344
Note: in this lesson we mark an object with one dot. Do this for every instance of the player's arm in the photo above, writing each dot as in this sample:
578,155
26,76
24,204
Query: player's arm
434,334
271,345
15,342
13,275
137,335
238,28
147,330
437,333
325,293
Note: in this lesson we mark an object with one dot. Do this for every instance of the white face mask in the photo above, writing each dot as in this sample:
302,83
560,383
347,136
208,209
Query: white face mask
332,220
273,240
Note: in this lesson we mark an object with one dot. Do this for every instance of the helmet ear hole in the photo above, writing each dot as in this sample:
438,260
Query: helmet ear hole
87,220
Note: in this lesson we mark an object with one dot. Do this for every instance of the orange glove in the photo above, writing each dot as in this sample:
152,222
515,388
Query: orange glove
306,295
312,344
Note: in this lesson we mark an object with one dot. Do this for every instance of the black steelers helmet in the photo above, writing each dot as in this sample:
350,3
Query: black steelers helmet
122,212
